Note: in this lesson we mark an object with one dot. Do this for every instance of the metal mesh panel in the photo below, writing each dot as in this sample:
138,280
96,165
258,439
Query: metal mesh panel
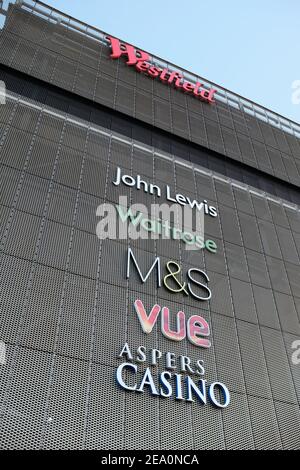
292,348
65,406
243,301
51,52
237,424
236,260
108,431
66,305
40,317
23,411
265,307
253,359
264,424
228,359
280,377
288,418
17,273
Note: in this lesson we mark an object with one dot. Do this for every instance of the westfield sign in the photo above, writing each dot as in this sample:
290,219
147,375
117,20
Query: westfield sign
141,61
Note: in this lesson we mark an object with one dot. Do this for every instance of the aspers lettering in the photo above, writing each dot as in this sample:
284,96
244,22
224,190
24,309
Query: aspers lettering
141,61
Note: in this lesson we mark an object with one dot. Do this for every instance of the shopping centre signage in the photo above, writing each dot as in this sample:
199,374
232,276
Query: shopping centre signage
169,383
196,278
142,62
167,375
176,381
164,229
151,188
196,327
183,219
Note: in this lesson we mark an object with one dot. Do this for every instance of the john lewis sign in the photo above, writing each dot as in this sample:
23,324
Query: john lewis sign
149,187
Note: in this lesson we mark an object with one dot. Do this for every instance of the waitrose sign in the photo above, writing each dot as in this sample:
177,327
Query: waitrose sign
186,213
168,375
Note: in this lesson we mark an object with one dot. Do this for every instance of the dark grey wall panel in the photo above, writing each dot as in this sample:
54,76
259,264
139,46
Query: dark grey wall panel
264,424
81,65
66,306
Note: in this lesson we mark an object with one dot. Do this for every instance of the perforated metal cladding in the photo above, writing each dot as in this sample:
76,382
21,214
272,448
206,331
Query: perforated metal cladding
264,424
22,403
121,124
288,417
176,422
66,306
79,64
105,418
237,424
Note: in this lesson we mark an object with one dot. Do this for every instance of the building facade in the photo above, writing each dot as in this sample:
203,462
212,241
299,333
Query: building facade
74,116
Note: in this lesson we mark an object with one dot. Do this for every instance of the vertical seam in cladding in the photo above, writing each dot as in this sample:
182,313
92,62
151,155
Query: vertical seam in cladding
296,246
94,314
54,70
63,290
34,264
19,42
170,109
3,240
92,332
152,106
258,325
102,132
116,78
64,34
21,180
259,329
282,330
232,306
188,122
184,303
77,69
126,320
134,95
98,74
156,292
289,228
16,99
274,172
12,212
36,52
189,409
212,329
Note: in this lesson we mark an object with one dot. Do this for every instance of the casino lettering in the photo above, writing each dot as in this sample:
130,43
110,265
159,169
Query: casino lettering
167,385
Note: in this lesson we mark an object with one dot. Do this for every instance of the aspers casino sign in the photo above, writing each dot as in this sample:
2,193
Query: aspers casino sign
142,62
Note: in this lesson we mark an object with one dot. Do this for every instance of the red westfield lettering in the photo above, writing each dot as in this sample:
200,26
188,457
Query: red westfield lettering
141,61
134,56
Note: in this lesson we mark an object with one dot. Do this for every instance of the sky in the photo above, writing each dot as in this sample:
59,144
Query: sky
249,47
